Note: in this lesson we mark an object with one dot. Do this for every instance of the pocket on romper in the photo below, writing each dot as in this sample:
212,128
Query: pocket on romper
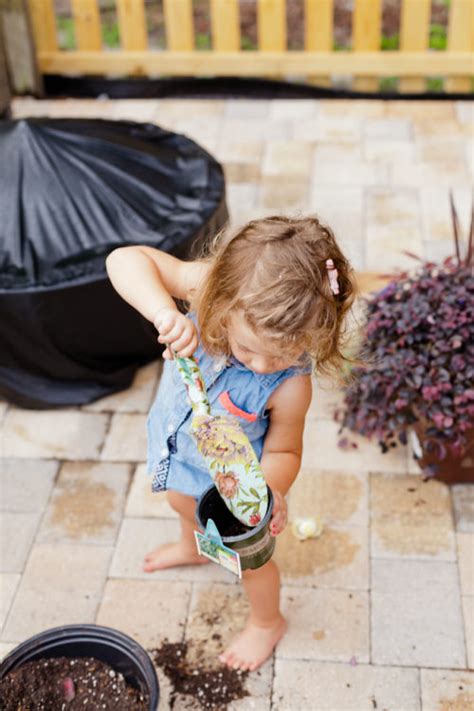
230,406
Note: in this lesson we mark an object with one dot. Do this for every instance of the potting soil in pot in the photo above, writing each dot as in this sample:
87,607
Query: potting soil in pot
226,523
66,684
234,528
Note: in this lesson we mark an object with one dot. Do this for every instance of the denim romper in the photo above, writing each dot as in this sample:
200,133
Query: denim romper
173,458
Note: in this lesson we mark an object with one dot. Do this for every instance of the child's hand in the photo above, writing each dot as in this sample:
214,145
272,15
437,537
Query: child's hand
177,331
280,514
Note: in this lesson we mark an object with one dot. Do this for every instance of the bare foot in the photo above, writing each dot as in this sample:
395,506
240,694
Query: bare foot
254,645
171,555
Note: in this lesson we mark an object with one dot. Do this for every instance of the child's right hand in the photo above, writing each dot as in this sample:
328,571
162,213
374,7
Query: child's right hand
177,331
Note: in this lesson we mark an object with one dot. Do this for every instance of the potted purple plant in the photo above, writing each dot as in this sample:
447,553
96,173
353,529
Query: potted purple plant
418,380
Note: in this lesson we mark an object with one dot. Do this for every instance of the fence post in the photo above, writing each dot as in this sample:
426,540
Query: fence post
225,25
179,26
19,48
87,24
319,31
366,32
5,94
414,37
132,24
461,39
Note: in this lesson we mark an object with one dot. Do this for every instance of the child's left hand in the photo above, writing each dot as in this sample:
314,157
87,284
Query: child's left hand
280,514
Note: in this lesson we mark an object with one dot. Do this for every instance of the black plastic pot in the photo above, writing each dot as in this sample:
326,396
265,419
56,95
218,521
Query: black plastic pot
107,645
75,190
255,547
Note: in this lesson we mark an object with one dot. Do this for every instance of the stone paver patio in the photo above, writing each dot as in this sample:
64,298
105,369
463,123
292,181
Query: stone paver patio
381,606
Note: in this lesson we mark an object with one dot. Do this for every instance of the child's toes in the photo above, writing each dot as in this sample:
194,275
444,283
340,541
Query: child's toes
240,664
224,657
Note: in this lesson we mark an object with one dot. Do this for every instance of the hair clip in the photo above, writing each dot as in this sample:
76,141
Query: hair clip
332,274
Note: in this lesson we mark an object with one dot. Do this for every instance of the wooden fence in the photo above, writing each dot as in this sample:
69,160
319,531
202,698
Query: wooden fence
413,62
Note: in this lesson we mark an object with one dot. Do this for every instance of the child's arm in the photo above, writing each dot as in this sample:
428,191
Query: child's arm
283,446
147,279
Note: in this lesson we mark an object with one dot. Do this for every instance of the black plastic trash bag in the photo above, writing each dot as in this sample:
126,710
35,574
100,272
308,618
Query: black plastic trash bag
71,191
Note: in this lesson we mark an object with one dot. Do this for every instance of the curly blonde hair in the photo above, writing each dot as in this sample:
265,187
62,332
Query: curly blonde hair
274,271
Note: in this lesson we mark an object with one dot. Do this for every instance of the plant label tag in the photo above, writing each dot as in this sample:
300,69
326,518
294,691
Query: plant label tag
210,545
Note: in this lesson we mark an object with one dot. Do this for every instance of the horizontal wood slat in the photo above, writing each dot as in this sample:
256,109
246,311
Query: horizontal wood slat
253,63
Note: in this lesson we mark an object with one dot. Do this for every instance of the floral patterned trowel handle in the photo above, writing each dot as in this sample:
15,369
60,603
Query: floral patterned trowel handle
230,457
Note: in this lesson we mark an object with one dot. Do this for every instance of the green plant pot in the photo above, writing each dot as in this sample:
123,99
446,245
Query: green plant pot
255,545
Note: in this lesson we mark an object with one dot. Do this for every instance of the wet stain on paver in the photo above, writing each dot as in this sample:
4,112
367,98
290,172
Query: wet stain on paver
25,434
298,559
217,617
387,208
411,516
463,702
333,496
83,508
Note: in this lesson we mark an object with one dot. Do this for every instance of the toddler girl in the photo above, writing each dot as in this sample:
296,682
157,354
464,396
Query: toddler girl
267,305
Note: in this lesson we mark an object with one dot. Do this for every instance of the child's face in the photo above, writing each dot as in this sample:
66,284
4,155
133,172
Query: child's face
253,351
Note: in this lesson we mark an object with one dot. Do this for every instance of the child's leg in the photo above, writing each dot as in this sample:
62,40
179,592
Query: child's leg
265,625
183,552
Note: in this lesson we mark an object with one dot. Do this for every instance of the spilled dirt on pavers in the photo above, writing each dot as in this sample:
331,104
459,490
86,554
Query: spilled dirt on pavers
198,680
82,508
332,550
193,684
334,496
411,516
